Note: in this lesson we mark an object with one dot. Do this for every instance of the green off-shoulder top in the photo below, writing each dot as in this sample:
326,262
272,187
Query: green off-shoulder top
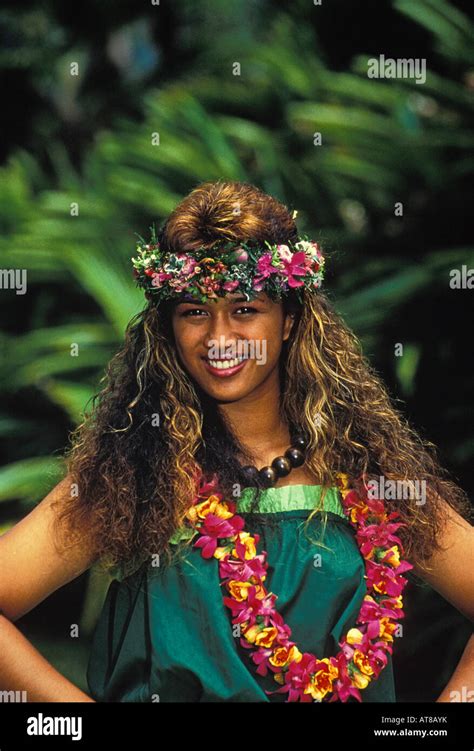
165,634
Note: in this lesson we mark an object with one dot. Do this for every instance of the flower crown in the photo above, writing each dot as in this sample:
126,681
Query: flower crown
247,267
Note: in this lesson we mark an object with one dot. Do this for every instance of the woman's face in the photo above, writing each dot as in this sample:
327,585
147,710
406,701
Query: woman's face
248,336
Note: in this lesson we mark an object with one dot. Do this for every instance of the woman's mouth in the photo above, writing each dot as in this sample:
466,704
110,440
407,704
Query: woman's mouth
224,368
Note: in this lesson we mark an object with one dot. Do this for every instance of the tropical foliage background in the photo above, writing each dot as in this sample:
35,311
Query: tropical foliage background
168,69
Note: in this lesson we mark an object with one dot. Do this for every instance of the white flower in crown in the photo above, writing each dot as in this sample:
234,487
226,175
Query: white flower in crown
284,252
312,250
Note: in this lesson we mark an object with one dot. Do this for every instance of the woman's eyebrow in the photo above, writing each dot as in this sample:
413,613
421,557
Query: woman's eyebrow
229,301
244,299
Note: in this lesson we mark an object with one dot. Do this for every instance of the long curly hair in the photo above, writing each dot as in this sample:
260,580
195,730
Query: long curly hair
151,431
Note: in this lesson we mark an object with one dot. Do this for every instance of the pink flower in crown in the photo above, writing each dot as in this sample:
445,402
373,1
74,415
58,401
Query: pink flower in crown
264,269
346,650
310,249
179,285
189,264
264,266
159,278
208,286
295,267
239,256
230,286
313,256
314,264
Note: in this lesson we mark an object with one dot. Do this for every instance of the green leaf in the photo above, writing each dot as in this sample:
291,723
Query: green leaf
30,479
406,366
72,397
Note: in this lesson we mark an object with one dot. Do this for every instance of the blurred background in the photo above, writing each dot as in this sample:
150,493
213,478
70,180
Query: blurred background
114,111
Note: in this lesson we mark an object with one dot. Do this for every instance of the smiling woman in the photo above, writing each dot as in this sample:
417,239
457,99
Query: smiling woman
221,354
199,336
267,459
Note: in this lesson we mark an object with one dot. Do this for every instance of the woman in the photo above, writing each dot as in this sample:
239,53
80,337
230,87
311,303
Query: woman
236,439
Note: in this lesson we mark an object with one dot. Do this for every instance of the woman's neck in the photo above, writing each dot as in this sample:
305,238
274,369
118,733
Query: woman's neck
264,434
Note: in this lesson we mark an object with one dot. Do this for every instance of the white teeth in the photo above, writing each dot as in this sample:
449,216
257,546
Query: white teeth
225,365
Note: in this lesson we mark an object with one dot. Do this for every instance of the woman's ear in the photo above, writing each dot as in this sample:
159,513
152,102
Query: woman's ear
288,325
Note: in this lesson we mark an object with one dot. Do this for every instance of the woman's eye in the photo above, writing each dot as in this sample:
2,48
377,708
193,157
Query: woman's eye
249,310
246,307
192,310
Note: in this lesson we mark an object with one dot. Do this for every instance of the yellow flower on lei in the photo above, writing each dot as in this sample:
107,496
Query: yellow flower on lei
282,656
239,590
266,636
394,558
249,542
354,636
322,680
359,680
362,663
387,629
261,637
211,505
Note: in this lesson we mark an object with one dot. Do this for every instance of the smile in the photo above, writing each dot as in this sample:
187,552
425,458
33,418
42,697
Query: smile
223,368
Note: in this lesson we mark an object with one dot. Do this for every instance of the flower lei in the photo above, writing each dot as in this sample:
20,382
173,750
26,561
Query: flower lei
303,676
246,267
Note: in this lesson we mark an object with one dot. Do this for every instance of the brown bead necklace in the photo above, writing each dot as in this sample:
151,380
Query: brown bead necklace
281,466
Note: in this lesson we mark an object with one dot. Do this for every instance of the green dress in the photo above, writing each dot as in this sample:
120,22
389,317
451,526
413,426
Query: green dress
165,634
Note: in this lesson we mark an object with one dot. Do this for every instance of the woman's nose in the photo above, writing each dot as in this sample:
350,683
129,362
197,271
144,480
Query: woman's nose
221,326
221,336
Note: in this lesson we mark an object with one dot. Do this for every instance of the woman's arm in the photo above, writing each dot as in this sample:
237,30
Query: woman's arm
31,569
461,684
31,565
452,576
452,572
23,668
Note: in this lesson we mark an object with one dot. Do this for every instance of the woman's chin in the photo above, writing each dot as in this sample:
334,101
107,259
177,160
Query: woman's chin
225,391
